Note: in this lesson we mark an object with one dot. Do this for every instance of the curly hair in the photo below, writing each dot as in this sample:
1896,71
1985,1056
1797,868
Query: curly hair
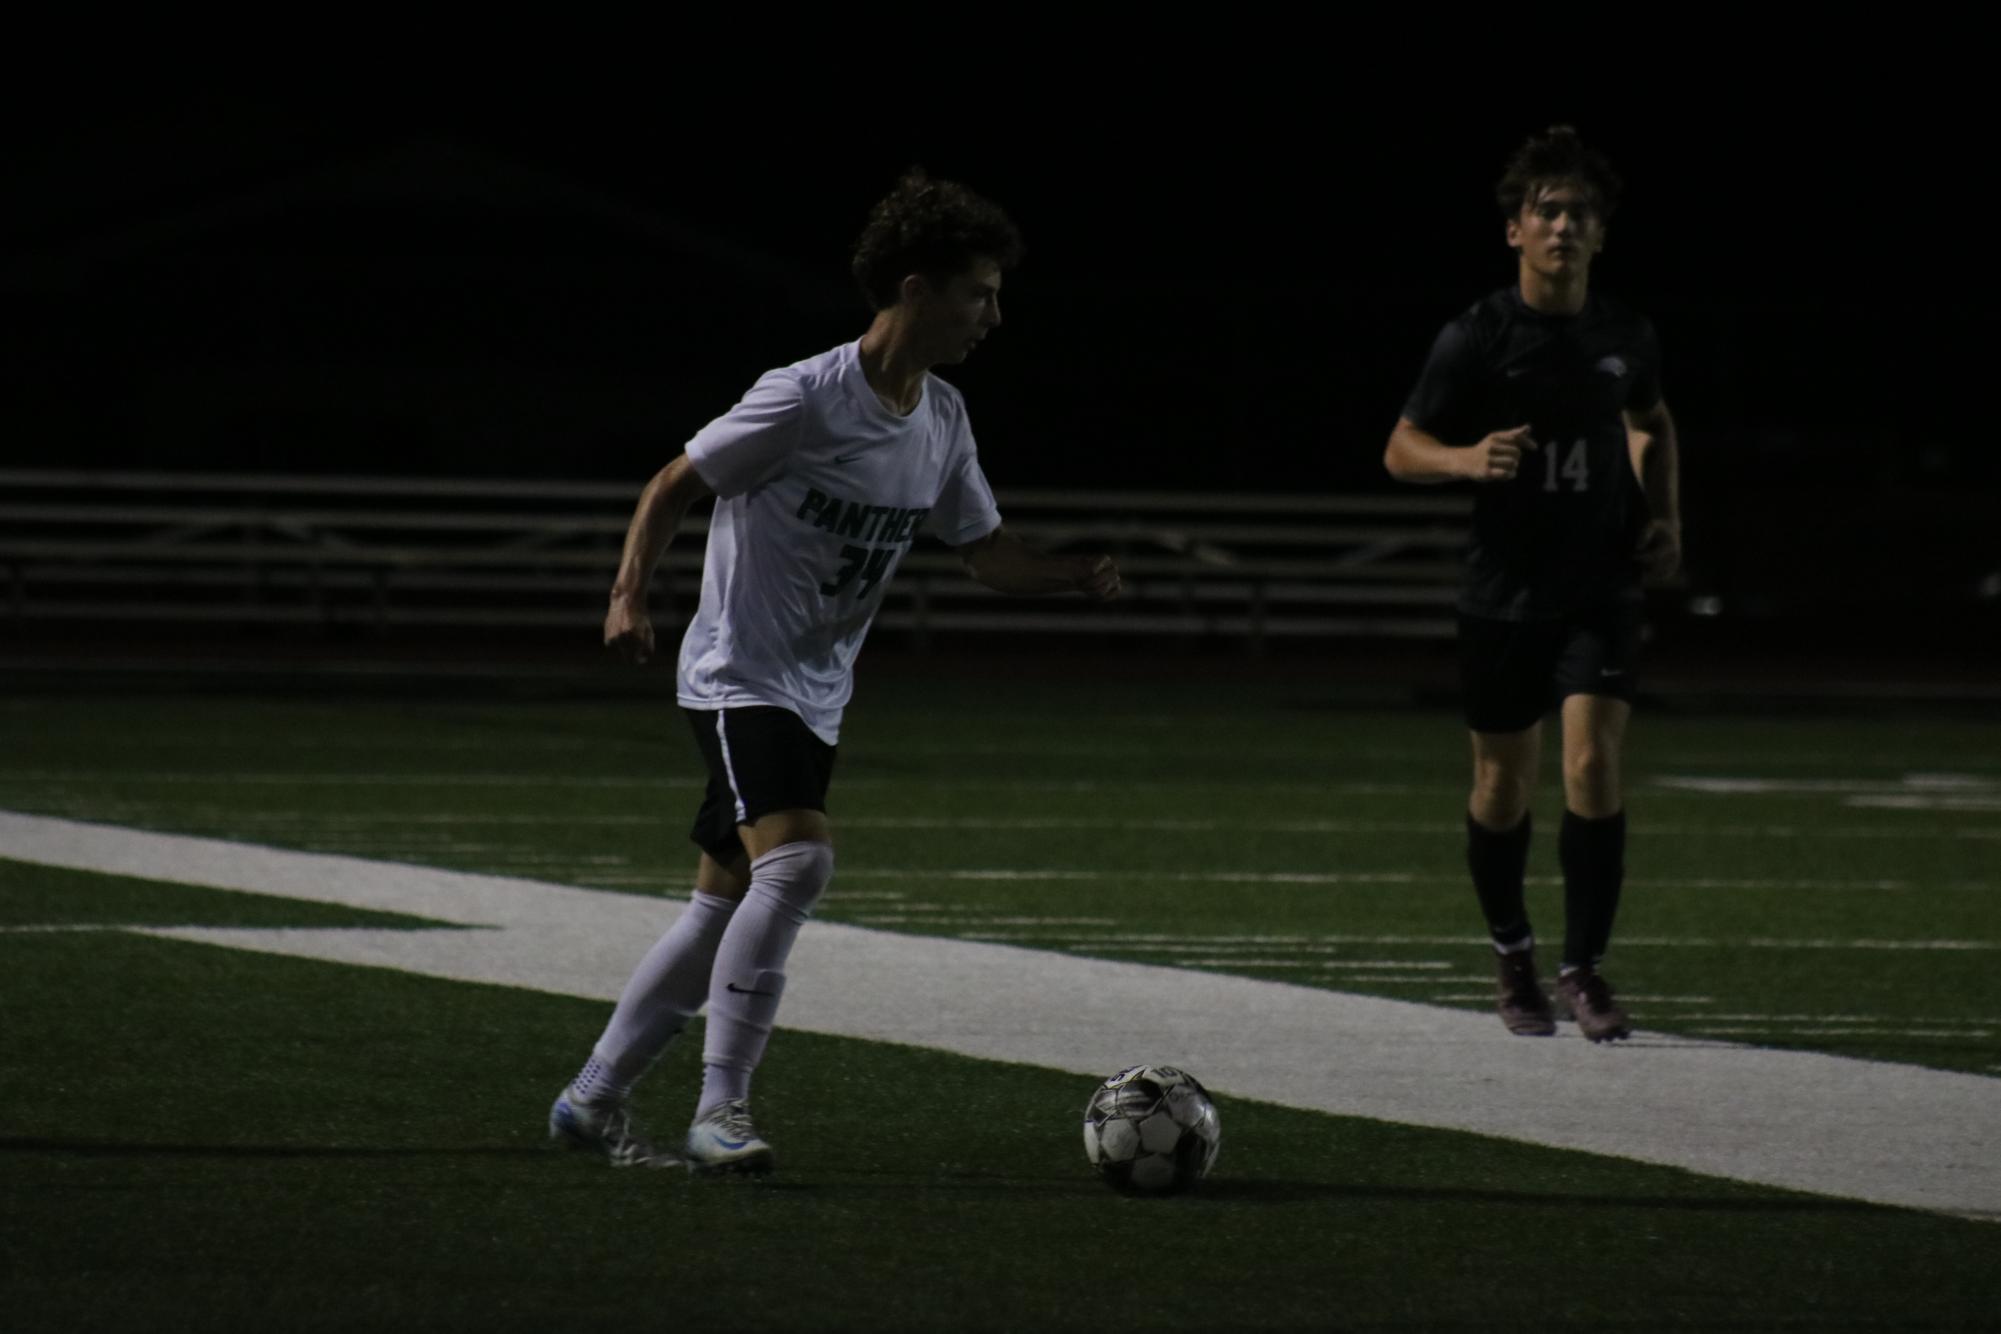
1557,154
931,227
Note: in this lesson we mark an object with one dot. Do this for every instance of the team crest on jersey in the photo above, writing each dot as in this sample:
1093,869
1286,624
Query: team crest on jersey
1614,366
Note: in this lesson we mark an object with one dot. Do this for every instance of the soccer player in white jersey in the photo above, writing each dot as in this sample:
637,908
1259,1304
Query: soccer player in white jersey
823,474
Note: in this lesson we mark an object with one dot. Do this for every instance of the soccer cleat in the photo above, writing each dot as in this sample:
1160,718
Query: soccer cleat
1586,998
726,1141
1523,1006
604,1128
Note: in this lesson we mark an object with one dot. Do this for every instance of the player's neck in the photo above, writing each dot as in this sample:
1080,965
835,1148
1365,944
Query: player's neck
1554,294
891,364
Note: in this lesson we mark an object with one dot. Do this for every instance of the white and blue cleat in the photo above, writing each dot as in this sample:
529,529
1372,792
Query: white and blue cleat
607,1129
726,1141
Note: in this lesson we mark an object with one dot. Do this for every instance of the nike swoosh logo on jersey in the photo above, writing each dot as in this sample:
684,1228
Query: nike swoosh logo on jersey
846,458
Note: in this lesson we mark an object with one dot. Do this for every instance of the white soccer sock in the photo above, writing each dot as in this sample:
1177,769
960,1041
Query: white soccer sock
749,975
664,992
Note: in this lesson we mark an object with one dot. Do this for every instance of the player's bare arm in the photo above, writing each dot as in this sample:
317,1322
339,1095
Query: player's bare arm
662,504
1006,564
1650,436
1416,455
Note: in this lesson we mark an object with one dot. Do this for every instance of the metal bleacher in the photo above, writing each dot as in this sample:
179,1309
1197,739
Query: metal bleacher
380,554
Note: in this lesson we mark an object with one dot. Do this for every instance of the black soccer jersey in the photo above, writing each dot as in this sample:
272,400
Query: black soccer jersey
1559,537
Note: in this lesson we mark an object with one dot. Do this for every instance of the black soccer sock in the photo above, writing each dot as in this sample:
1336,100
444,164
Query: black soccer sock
1498,860
1593,853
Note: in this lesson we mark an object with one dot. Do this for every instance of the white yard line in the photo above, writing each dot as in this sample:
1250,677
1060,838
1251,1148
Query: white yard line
1309,878
1832,1019
1893,1134
198,777
49,928
1131,942
1842,1031
1918,784
268,823
538,782
1189,877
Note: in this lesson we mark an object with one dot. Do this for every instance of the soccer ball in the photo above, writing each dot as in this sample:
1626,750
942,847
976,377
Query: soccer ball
1152,1130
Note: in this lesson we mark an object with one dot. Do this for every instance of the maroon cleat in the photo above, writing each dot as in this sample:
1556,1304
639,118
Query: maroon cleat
1585,997
1523,1006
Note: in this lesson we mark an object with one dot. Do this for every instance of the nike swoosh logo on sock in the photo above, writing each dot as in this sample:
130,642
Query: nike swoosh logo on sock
746,991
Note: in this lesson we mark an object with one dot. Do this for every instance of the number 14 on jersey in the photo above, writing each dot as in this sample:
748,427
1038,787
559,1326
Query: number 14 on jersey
1571,463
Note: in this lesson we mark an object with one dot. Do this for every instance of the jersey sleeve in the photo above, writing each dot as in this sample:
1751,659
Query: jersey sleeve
965,511
1646,389
751,443
1447,382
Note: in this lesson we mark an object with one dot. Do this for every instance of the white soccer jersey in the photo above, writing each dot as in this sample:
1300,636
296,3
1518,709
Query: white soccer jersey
820,490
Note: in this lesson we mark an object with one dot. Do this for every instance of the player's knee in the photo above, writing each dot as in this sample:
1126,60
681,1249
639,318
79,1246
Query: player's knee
1500,798
1591,775
1587,766
792,876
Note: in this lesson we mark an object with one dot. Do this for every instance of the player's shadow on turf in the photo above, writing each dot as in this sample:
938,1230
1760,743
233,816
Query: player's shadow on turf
98,1148
1294,1192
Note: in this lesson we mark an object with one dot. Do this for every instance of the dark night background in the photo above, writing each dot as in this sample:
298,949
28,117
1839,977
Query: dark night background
1226,289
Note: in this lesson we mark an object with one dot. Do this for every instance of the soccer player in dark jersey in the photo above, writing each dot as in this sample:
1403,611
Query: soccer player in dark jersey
1547,397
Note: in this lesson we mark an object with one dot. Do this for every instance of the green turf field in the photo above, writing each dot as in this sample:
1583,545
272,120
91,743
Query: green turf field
198,1138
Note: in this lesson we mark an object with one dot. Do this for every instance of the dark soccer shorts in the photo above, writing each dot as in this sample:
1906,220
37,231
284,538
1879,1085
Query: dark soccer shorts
1513,672
760,760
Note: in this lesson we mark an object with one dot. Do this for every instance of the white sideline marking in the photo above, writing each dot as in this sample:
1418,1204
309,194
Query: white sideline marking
1891,1134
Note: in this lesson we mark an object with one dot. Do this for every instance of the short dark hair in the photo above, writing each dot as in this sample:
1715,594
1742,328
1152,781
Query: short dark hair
931,227
1557,154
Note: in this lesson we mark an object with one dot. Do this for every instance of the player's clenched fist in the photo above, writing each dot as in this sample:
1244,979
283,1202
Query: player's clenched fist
628,630
1499,457
1098,578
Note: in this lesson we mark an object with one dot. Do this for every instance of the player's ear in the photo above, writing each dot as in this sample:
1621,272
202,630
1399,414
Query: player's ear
1514,233
914,288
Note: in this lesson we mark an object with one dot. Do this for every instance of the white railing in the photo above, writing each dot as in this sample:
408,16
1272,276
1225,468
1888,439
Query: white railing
384,553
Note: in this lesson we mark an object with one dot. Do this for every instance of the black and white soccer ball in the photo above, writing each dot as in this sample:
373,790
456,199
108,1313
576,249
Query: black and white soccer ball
1152,1130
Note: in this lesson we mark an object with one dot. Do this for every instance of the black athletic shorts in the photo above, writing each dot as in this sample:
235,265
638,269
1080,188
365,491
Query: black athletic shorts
1513,672
760,760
